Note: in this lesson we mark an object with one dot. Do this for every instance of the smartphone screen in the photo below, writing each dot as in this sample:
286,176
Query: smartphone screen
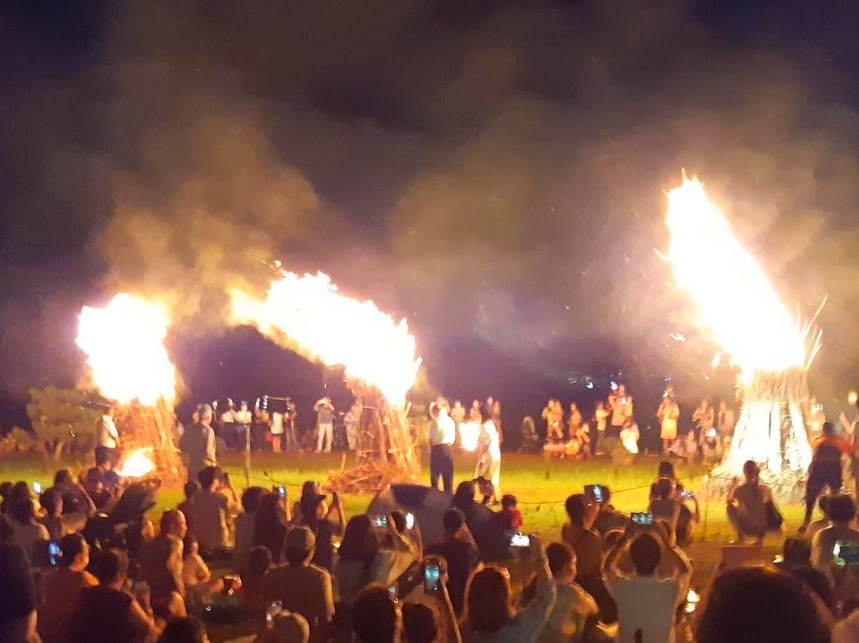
520,540
846,552
53,553
380,521
280,490
37,487
596,492
642,518
410,521
686,494
431,576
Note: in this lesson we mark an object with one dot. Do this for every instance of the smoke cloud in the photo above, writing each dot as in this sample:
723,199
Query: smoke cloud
490,170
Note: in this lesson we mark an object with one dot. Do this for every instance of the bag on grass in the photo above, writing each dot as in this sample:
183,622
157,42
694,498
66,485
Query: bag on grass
774,517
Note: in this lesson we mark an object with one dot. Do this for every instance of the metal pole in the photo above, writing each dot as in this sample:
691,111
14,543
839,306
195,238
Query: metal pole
247,455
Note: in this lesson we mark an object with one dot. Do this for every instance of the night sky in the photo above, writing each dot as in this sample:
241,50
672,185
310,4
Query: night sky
492,170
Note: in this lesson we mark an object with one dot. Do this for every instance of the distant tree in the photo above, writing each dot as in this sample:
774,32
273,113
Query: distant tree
60,417
24,440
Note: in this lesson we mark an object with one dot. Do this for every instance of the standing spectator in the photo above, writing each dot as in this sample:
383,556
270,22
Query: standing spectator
245,525
18,595
842,512
190,490
52,507
276,430
668,414
364,560
324,424
490,614
101,482
210,509
61,593
646,604
474,414
600,419
290,431
747,505
460,551
161,564
574,422
442,435
350,422
272,518
27,531
198,443
106,436
495,416
757,605
579,534
105,613
725,420
489,459
621,408
324,523
457,413
825,469
704,417
300,586
376,616
575,611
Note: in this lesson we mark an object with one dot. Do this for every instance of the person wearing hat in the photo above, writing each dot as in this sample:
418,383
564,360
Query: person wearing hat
107,437
198,443
300,586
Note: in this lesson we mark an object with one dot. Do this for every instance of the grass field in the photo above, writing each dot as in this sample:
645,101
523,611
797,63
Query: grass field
540,485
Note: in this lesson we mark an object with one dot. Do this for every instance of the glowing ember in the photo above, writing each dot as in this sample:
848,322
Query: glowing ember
124,343
729,288
307,313
136,464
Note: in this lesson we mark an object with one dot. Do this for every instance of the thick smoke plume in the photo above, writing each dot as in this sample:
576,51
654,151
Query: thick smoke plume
491,170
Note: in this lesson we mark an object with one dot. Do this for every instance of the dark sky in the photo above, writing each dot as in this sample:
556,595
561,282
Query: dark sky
492,170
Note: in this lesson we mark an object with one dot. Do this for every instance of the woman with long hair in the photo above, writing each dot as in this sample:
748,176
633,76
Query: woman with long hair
272,517
368,555
490,615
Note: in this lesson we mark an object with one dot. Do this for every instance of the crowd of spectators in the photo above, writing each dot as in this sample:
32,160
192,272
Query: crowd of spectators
275,569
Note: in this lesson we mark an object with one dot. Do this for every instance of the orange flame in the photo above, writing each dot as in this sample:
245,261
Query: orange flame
136,464
324,325
124,344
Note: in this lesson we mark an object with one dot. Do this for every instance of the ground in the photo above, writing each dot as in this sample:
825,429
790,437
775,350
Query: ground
540,485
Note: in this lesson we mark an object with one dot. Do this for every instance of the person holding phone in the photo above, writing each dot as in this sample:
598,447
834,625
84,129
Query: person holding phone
842,513
431,591
460,551
490,615
648,579
63,590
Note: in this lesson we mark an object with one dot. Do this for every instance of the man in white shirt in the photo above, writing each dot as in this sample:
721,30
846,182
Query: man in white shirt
324,424
647,603
442,434
107,436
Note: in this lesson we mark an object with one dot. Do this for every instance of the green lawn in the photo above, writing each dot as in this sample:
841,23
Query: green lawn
540,485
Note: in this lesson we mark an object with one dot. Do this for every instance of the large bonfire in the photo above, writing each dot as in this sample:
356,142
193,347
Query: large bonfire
129,365
308,314
770,347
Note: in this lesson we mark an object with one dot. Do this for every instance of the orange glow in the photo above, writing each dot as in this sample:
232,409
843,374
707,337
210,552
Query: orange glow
136,464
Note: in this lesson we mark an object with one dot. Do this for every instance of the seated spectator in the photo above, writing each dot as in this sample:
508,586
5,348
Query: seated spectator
609,519
310,486
363,561
822,522
758,605
251,595
461,554
196,576
842,512
300,586
579,534
747,505
101,482
105,612
575,611
184,630
376,616
75,498
324,522
190,489
161,565
245,523
665,506
209,510
509,518
821,588
796,552
646,604
270,526
489,613
26,529
413,534
52,509
463,500
286,627
5,491
419,623
18,594
63,588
